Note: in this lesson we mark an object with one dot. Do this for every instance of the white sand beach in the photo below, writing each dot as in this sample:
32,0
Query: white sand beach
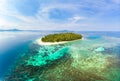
40,42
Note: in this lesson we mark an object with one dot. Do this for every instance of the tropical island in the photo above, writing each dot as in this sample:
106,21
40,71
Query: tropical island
58,38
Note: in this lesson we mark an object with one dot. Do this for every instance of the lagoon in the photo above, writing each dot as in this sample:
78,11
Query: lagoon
20,56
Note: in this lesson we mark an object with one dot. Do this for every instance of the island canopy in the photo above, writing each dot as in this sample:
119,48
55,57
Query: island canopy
59,37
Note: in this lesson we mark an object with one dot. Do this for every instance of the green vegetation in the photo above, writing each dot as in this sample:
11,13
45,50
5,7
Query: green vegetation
61,37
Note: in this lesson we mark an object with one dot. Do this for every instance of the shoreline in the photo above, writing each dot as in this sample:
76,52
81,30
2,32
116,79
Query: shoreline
40,42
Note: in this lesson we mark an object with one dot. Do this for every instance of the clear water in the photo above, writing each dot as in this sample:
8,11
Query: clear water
95,58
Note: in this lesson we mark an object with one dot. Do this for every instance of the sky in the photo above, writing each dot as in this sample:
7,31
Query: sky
79,15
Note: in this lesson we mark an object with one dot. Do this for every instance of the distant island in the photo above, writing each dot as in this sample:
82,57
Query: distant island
11,30
61,37
28,30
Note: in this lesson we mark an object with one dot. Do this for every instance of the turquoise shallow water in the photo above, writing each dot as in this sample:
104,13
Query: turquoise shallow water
95,58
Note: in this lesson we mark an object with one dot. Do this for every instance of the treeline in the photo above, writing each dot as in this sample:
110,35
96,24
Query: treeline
61,37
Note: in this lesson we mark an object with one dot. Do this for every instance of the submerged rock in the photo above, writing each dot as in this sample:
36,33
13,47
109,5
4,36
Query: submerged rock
99,49
45,58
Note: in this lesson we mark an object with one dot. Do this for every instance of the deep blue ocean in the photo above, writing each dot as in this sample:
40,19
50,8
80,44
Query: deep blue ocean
15,43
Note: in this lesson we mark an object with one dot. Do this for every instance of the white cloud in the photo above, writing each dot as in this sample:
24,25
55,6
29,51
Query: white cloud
42,20
76,18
